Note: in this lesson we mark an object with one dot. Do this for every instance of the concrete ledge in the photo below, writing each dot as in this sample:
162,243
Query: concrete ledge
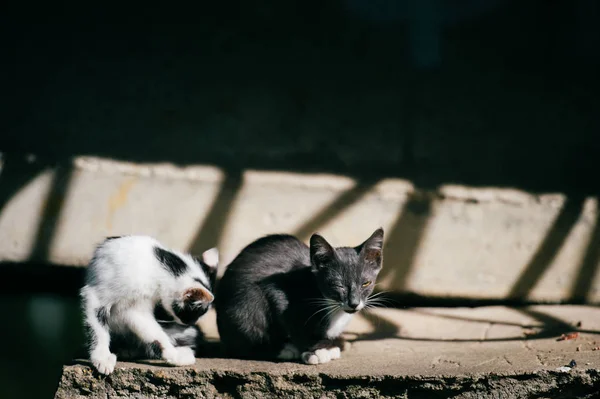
454,241
418,353
78,382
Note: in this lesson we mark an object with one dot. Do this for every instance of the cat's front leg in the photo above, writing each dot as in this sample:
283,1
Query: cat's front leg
148,330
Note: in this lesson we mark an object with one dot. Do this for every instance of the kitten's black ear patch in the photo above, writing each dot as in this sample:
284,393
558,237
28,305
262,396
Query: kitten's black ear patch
209,262
170,261
320,250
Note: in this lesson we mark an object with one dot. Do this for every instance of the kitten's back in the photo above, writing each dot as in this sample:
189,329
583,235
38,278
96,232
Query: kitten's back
243,307
272,254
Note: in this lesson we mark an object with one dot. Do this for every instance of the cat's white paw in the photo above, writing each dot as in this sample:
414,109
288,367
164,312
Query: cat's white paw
289,352
319,356
335,353
323,355
180,356
103,361
310,358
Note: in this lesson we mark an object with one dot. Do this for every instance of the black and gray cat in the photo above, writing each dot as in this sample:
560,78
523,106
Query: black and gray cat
280,299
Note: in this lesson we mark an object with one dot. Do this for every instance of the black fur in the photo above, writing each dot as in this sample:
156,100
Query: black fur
170,261
210,272
112,238
188,312
129,347
102,316
155,350
161,314
266,296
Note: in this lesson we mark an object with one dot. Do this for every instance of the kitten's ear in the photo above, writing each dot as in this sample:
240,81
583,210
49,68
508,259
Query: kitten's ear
372,248
211,258
198,295
320,250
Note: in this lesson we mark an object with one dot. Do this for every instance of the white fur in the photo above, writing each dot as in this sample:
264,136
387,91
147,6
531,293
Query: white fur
337,323
321,356
335,353
127,279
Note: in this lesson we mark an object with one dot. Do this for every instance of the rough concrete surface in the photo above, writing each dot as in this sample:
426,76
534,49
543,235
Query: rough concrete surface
456,241
489,352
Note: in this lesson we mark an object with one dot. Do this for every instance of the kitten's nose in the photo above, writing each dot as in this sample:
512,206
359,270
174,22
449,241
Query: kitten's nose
353,303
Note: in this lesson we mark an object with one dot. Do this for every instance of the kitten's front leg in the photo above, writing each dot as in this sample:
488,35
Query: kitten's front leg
144,325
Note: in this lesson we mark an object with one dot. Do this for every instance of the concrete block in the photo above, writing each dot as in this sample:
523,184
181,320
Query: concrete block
452,242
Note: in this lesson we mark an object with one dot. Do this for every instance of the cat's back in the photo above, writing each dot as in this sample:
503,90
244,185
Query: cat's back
126,258
272,254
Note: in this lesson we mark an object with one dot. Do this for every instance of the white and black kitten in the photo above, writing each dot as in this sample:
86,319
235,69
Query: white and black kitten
280,299
142,299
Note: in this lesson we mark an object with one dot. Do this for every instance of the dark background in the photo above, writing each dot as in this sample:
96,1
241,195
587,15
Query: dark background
485,93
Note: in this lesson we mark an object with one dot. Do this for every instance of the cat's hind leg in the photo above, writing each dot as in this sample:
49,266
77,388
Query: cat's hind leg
289,352
142,323
96,319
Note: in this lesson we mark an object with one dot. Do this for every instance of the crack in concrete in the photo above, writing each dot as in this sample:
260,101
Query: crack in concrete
438,360
507,361
539,358
527,346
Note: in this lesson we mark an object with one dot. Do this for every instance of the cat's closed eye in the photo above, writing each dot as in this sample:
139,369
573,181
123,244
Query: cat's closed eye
366,284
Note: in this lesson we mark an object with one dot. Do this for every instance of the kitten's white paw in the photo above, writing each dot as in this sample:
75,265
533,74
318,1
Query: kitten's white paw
319,356
310,358
323,355
103,361
335,353
180,356
289,352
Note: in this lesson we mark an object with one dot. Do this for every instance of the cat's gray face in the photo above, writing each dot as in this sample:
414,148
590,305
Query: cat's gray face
347,276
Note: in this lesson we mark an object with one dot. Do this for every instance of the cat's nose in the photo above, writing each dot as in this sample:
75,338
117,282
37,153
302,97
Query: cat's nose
353,304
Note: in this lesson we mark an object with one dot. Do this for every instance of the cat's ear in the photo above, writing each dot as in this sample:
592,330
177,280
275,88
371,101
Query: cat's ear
320,250
372,248
211,258
194,295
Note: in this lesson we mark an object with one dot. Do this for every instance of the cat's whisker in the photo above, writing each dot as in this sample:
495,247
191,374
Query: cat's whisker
377,302
322,301
329,313
377,294
328,307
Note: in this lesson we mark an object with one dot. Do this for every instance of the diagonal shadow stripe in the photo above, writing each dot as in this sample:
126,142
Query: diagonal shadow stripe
549,248
16,173
211,231
404,239
335,208
52,212
589,267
